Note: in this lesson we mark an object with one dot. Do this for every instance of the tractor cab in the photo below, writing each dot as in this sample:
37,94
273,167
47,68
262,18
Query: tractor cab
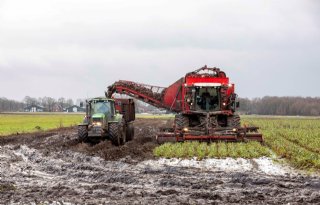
99,112
101,108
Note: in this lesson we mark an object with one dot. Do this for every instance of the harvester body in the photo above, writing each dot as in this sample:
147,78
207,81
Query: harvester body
205,103
108,118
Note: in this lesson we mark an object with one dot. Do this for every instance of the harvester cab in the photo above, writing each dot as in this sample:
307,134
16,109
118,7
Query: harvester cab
108,118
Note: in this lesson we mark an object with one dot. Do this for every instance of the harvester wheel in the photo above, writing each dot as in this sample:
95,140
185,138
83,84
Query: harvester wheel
234,121
181,121
83,133
130,132
115,133
213,122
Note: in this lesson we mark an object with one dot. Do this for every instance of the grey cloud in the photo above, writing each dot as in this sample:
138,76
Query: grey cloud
55,47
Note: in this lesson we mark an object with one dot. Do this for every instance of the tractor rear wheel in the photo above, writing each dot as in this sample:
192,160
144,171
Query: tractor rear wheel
130,132
115,134
234,121
181,121
83,133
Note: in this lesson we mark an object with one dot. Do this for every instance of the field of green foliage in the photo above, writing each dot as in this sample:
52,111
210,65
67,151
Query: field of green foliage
31,122
295,139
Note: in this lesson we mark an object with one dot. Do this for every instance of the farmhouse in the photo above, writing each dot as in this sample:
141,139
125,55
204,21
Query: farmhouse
74,108
34,108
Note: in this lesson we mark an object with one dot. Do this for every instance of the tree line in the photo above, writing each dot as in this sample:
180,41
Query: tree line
307,106
50,104
304,106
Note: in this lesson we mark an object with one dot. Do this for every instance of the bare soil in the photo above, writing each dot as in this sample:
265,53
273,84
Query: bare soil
54,168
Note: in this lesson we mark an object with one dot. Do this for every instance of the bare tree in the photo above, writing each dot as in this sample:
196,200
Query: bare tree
69,102
30,101
281,106
7,105
48,103
62,102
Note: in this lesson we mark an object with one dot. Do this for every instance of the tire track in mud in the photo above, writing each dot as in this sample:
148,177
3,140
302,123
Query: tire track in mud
47,169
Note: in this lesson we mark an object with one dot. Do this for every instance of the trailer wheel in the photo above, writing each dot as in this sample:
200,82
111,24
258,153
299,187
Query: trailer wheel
123,131
82,133
114,133
130,132
234,121
181,121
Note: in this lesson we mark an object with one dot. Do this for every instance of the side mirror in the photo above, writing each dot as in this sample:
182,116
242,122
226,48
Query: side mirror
237,104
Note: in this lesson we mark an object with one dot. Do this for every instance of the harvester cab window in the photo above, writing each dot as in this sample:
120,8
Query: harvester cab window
207,98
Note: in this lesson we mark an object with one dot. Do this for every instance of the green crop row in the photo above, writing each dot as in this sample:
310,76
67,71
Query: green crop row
295,139
206,150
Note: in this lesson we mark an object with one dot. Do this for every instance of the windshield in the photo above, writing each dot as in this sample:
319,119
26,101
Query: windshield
101,107
207,98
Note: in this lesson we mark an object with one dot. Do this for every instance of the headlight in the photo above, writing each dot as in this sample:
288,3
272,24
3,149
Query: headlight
185,129
97,123
234,129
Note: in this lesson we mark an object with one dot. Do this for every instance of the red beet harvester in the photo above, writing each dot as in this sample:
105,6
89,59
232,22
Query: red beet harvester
205,103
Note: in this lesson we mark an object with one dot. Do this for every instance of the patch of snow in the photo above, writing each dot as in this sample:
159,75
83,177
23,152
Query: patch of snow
263,165
267,166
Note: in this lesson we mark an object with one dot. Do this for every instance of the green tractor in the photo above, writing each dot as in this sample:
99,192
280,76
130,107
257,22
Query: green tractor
108,118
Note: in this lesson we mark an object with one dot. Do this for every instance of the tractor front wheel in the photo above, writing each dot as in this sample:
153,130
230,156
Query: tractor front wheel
82,133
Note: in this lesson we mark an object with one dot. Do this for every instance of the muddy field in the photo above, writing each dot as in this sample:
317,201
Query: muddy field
54,168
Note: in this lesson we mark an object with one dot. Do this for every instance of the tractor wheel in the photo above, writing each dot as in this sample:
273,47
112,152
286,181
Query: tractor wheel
181,121
234,121
115,134
83,133
130,132
123,130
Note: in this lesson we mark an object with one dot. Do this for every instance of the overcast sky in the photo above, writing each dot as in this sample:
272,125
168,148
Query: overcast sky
76,48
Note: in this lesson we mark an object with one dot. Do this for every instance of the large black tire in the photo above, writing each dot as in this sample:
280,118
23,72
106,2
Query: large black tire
83,133
129,132
115,134
181,121
123,130
234,121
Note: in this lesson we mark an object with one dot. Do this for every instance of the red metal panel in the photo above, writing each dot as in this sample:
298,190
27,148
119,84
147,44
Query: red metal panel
171,137
173,95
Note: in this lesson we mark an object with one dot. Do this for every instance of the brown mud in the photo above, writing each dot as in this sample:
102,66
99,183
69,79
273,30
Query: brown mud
54,168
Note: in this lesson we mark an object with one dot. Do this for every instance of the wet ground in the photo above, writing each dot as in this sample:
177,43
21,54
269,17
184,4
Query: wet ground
54,168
